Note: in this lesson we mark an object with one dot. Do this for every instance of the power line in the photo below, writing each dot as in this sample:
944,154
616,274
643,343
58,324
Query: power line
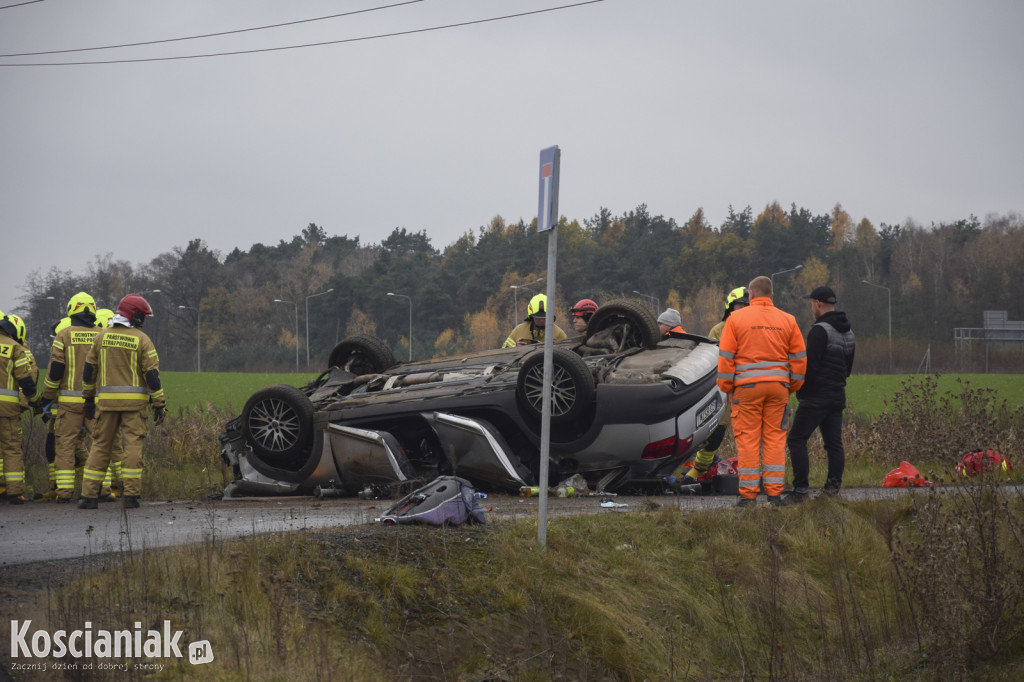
209,35
28,2
320,44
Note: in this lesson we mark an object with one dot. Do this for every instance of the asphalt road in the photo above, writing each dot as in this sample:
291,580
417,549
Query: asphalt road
42,531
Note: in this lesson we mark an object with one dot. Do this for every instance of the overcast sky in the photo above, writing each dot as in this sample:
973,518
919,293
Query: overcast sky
896,110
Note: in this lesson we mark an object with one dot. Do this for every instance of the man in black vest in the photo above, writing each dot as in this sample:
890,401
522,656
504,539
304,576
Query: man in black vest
822,399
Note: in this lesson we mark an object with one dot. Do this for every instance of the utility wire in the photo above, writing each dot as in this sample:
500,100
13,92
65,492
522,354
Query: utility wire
28,2
209,35
321,44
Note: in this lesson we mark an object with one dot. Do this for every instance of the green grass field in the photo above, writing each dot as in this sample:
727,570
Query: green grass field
226,391
865,393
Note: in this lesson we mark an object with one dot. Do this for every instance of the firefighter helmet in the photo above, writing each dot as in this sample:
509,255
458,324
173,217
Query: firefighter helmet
7,327
737,295
103,316
134,308
538,306
80,303
19,328
584,308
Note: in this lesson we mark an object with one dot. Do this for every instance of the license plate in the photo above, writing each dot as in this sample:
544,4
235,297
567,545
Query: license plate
707,411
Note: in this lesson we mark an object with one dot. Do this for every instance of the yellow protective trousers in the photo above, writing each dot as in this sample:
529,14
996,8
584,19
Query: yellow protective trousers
11,455
133,427
760,420
69,431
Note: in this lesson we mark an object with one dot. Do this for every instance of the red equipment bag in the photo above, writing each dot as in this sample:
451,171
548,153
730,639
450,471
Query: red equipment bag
905,475
982,462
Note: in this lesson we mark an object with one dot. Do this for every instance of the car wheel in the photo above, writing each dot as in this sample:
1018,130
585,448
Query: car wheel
277,422
572,386
629,323
362,354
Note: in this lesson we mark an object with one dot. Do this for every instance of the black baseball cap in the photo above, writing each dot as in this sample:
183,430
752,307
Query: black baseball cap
823,294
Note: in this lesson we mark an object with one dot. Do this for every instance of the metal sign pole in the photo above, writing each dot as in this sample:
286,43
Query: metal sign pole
547,221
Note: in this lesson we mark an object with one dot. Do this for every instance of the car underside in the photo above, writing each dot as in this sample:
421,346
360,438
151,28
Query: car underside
627,407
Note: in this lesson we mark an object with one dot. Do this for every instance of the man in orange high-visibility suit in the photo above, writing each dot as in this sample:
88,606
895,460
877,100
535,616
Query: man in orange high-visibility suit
761,361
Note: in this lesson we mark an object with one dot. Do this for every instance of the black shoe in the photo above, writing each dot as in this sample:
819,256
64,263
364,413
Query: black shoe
16,499
88,503
131,501
63,500
776,501
830,491
795,496
745,502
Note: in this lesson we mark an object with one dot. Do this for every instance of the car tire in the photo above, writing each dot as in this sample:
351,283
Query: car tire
572,386
277,423
362,354
638,325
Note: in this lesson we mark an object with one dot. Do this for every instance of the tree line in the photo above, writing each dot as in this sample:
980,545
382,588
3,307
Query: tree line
247,311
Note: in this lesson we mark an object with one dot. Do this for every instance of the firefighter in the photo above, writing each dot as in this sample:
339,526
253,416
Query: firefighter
121,378
736,299
581,314
64,385
761,361
532,328
16,380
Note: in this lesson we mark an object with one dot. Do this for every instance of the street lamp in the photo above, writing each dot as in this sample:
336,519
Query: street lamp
657,302
410,320
307,320
54,299
199,337
782,273
515,296
888,291
278,300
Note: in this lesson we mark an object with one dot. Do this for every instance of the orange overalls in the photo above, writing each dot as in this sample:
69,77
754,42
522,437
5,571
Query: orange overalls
761,361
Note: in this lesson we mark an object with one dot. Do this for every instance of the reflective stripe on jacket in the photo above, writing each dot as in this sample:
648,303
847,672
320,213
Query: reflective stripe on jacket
761,343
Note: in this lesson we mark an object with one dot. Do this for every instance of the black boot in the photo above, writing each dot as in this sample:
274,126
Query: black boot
88,503
131,501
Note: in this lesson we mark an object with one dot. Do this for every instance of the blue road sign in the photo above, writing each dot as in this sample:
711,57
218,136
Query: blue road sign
547,207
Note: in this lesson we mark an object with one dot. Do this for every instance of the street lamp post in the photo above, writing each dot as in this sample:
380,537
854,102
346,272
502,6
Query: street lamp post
56,303
307,320
278,300
515,296
657,301
199,336
782,273
888,292
410,319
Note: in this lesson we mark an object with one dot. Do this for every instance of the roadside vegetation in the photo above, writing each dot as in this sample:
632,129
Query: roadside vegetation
926,587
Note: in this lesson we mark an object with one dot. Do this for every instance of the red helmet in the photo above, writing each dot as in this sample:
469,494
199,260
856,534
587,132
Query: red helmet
583,308
134,308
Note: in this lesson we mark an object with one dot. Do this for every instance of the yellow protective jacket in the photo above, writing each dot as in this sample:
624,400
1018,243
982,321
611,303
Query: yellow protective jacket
122,371
761,343
16,378
530,334
67,364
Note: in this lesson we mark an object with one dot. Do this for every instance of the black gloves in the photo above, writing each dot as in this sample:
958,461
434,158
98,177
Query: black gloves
90,408
158,414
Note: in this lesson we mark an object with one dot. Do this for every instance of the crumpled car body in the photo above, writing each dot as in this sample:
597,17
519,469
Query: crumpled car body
627,407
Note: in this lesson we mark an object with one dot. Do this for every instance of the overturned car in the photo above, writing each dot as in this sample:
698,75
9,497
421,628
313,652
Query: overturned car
627,407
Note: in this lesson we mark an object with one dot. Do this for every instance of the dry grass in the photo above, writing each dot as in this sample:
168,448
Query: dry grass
928,587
